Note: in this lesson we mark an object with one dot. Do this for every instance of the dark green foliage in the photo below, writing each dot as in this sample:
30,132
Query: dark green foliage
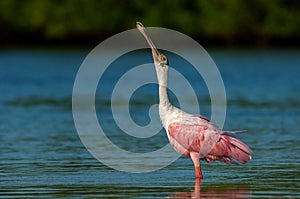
230,21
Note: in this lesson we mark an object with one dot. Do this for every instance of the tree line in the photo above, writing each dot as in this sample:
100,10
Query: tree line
213,21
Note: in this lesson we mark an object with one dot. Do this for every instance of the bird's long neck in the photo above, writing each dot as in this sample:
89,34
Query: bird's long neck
164,103
163,95
163,89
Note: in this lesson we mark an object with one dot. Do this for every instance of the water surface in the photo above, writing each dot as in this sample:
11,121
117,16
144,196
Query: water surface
42,155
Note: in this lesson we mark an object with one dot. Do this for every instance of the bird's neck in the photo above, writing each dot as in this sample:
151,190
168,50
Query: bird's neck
163,95
164,103
163,89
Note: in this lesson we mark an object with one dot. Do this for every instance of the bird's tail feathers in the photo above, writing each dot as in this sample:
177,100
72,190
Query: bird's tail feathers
237,149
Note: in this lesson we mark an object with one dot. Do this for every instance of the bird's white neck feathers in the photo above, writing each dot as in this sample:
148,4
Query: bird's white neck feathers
164,102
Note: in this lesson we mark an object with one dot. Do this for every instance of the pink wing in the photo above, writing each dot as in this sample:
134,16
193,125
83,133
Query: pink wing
205,138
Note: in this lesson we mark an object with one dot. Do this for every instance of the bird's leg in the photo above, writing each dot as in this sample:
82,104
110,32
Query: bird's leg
196,161
198,172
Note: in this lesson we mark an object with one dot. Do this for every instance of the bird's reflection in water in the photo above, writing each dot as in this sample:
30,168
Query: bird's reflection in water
228,191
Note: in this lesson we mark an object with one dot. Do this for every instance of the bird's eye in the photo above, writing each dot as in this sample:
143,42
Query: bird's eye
164,59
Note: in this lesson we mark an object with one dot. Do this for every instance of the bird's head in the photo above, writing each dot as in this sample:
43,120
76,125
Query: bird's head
160,60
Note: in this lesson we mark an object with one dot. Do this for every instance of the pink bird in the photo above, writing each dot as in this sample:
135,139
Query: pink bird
192,135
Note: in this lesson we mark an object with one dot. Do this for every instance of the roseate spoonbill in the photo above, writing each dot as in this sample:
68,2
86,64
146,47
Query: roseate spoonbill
193,136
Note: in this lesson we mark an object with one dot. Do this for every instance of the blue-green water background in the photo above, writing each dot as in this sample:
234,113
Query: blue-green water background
42,155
